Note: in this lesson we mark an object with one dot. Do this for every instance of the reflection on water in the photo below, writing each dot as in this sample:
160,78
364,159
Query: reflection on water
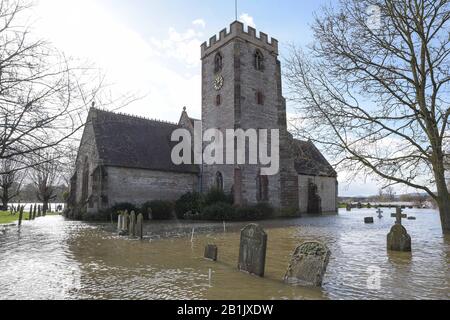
56,259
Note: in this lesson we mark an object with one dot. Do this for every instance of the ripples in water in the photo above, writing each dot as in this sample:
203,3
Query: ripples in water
56,259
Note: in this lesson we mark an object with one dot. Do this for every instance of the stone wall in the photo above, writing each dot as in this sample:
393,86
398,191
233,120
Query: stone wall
327,189
139,186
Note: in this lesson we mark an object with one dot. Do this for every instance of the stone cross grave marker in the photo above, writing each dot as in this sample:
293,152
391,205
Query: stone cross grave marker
252,250
211,252
132,226
140,226
308,265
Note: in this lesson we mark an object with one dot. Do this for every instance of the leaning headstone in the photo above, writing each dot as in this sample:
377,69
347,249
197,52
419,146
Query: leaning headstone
308,265
132,225
252,250
399,239
368,220
211,252
140,226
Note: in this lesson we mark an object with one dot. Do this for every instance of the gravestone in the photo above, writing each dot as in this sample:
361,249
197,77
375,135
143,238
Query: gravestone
140,226
211,252
39,211
125,223
399,239
150,214
34,211
119,222
308,265
21,215
252,250
349,207
368,220
132,225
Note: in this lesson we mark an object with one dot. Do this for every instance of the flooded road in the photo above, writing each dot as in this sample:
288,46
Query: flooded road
52,258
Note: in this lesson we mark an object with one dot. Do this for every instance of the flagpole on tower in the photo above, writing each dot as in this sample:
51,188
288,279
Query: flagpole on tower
236,8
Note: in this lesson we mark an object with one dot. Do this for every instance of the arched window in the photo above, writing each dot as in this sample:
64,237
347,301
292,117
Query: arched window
219,181
85,182
218,63
218,100
260,98
259,60
262,184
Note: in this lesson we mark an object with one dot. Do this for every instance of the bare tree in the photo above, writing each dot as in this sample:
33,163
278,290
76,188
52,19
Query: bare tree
374,91
11,181
44,96
46,176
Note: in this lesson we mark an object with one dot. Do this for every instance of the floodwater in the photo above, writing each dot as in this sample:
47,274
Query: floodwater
52,258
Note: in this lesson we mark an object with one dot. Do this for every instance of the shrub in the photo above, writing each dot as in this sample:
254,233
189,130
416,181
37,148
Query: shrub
220,211
217,196
257,212
190,202
290,213
161,210
124,206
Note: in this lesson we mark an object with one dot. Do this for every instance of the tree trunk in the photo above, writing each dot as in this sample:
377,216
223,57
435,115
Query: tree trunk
443,201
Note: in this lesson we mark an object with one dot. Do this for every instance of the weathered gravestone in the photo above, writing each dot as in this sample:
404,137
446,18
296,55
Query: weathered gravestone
140,226
132,225
349,207
252,250
399,239
211,252
368,220
34,211
308,265
39,211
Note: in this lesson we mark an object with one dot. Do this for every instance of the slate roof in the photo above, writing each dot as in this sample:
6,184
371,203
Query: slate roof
132,142
310,161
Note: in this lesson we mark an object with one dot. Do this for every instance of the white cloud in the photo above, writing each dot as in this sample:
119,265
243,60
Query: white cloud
199,22
85,29
247,19
185,46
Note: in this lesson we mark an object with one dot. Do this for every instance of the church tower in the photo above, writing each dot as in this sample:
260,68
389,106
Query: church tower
241,89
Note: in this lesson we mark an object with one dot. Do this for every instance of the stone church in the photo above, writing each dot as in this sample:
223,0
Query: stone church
123,158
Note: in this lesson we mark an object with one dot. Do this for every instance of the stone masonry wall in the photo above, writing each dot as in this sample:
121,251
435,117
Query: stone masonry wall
139,186
327,191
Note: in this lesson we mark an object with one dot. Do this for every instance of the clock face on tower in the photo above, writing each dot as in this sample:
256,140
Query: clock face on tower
218,82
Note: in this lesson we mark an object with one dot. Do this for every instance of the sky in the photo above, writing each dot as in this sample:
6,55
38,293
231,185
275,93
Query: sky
151,48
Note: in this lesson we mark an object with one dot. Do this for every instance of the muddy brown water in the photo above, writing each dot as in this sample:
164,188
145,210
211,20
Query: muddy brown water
52,258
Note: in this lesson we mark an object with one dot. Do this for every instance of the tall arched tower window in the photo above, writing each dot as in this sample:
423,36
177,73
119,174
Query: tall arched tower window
85,181
219,181
259,60
218,63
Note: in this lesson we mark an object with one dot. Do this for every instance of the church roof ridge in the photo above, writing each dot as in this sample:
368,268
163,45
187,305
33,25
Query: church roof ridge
237,30
135,117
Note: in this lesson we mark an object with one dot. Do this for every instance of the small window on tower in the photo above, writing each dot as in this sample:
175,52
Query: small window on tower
259,60
218,100
218,63
260,98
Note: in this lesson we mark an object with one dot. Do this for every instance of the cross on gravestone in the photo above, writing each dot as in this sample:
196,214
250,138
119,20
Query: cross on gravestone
252,250
398,216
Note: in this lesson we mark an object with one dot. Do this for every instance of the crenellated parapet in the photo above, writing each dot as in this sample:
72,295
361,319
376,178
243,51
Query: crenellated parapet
237,30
